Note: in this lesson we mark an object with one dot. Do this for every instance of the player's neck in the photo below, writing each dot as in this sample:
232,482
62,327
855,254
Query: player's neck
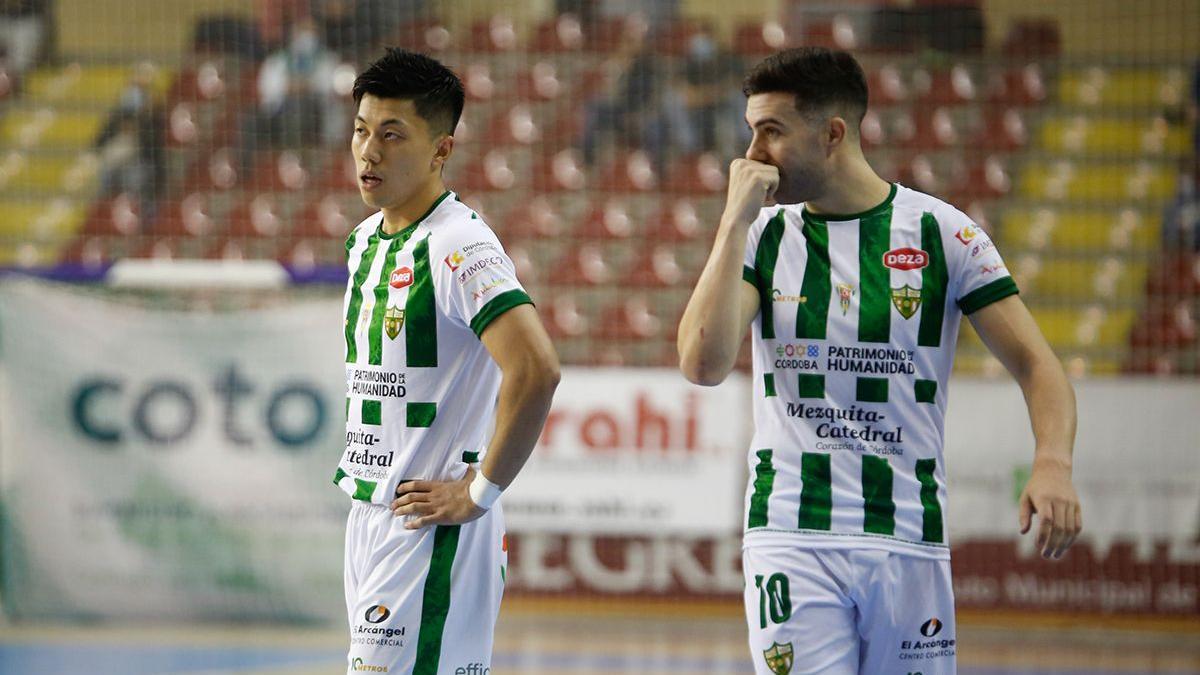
854,188
400,216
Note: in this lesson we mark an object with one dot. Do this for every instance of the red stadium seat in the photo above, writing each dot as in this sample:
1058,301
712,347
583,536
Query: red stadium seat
479,83
493,171
759,39
562,33
215,171
677,221
494,34
513,126
535,218
629,172
540,82
564,317
278,171
608,220
630,318
119,217
672,38
1024,86
696,175
191,216
583,266
656,268
260,215
1033,38
1176,276
331,216
1004,129
424,36
955,86
558,172
887,86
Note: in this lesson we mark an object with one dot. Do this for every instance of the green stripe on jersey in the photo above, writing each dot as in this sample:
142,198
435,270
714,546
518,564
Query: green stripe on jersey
879,510
435,601
810,385
764,271
375,333
764,483
874,310
363,489
355,305
816,496
372,412
871,389
768,384
934,279
985,295
420,414
812,314
925,391
420,320
931,517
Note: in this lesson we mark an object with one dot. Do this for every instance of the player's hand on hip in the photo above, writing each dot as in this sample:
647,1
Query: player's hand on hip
1050,494
751,186
430,502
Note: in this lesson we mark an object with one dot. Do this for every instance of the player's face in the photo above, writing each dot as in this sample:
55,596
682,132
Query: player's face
785,139
395,152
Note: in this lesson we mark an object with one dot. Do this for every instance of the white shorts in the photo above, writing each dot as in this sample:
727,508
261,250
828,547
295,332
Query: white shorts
848,612
422,602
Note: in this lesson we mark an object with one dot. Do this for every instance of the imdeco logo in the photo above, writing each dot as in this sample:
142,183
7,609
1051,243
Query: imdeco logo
379,614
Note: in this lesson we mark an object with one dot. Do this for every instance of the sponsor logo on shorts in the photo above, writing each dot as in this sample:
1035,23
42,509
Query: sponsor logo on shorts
917,650
473,669
358,666
377,614
779,658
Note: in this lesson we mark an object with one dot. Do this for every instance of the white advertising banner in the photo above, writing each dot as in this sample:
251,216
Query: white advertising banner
636,451
159,464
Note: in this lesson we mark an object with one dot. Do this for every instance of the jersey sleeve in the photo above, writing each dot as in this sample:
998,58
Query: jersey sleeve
980,276
474,279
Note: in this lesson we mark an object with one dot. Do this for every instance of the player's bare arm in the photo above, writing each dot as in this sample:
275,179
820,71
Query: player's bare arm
529,375
723,304
1009,331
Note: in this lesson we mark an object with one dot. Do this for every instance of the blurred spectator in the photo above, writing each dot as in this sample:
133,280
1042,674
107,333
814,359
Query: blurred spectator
130,145
22,29
297,105
638,107
1194,109
1181,219
275,17
340,28
713,100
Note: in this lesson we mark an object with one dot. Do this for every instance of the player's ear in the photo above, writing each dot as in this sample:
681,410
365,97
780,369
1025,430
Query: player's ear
442,152
835,132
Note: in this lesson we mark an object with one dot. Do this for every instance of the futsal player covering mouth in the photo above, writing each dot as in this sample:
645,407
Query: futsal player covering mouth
441,341
853,289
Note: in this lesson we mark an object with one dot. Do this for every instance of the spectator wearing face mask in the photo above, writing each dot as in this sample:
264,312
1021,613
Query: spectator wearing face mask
713,114
297,106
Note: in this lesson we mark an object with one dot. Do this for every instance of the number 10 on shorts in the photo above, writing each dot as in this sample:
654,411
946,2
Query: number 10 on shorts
774,599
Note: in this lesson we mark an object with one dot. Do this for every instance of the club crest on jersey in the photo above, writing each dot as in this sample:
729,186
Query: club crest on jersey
906,299
844,293
401,277
453,261
906,258
393,321
966,234
779,658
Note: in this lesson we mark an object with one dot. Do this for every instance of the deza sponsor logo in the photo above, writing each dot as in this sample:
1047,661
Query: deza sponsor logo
639,423
905,259
167,409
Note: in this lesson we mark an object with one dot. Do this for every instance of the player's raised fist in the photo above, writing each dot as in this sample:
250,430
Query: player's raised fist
751,186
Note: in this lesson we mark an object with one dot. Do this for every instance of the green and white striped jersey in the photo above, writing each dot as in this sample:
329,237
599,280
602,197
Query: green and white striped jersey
853,347
420,386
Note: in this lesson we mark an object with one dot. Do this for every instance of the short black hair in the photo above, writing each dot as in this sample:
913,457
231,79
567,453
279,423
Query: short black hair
434,89
819,78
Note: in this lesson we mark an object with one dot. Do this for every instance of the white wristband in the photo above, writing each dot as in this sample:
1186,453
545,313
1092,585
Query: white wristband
483,491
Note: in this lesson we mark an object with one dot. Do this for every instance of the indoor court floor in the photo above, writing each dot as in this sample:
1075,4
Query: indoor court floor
532,640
